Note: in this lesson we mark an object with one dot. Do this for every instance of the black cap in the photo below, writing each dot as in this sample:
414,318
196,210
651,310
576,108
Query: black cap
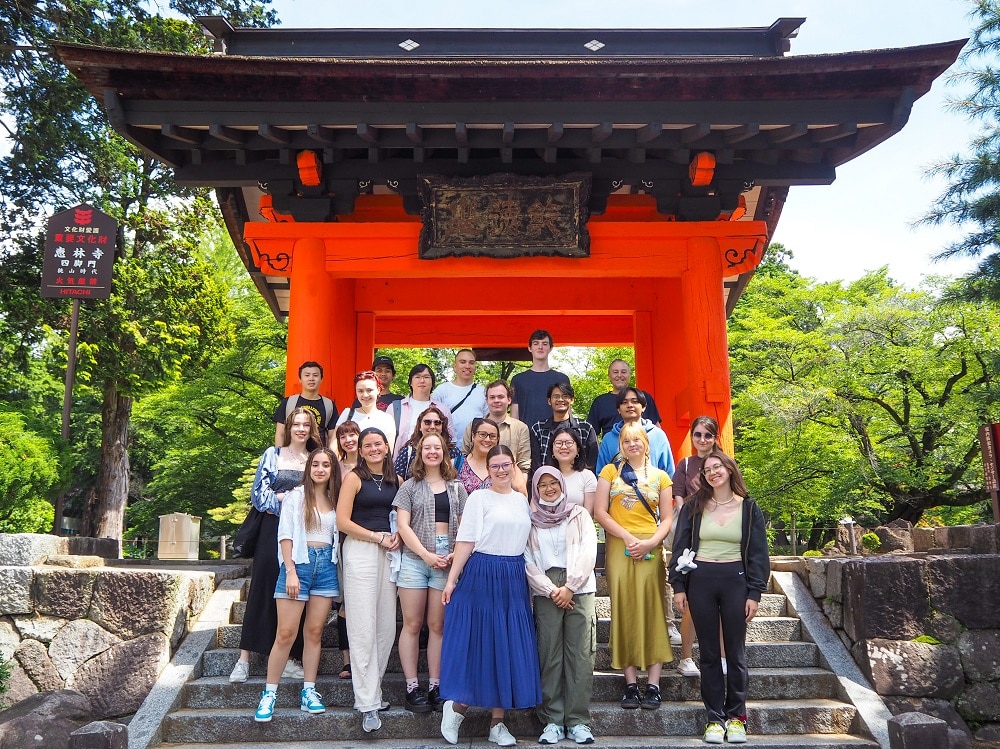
386,361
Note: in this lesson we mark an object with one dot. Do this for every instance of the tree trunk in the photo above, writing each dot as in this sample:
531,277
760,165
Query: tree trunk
107,517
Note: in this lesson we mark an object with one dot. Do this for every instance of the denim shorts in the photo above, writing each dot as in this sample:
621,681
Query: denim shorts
415,573
317,577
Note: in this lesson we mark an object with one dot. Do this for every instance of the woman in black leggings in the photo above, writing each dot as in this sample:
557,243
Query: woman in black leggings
719,569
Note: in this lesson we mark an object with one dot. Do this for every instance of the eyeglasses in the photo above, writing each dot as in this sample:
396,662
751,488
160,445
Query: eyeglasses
703,435
501,467
548,485
563,443
718,468
487,436
433,422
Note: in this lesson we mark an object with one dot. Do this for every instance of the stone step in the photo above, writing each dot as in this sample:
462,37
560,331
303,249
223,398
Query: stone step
607,719
765,683
771,741
220,662
771,604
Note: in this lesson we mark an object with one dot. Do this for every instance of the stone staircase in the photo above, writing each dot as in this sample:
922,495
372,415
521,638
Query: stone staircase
793,701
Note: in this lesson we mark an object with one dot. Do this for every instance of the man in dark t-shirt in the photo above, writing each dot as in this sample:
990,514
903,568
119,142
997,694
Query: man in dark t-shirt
323,409
604,413
531,387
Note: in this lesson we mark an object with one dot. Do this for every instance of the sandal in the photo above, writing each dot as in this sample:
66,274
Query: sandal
345,672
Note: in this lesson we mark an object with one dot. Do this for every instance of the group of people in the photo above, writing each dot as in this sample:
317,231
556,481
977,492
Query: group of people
475,508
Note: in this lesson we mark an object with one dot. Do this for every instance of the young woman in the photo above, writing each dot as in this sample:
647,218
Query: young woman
560,559
434,420
410,408
489,655
366,388
429,506
567,455
687,479
307,579
474,473
369,595
634,507
280,470
725,530
347,445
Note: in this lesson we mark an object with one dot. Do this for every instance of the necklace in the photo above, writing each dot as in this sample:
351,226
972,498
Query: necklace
301,459
731,499
378,481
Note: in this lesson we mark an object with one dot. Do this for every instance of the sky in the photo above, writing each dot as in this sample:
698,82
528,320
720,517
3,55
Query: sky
859,223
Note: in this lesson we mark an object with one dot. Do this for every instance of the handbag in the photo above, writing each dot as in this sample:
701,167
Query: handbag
245,542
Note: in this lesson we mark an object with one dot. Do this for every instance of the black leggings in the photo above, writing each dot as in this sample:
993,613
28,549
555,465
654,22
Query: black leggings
718,590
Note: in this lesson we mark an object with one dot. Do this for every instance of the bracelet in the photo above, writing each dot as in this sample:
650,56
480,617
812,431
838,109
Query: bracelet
371,536
381,538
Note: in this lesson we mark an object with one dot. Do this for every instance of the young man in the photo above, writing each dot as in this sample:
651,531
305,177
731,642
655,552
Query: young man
513,432
324,409
631,403
560,399
531,387
603,412
385,370
465,399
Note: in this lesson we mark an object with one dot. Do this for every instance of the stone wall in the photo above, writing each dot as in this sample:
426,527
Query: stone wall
68,621
923,626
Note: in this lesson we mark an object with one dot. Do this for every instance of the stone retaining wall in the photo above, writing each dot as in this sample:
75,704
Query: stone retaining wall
69,621
923,626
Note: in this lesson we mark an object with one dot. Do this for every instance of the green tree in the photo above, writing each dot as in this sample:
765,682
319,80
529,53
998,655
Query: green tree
29,468
972,198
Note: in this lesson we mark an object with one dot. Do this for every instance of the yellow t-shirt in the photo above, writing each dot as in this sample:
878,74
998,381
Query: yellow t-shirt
625,508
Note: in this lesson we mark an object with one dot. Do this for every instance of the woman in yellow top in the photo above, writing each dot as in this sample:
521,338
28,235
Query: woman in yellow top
634,505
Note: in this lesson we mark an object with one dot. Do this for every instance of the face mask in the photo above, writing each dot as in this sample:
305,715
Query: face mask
549,504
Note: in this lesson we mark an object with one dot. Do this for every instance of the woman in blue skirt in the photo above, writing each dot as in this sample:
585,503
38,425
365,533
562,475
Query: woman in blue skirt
489,656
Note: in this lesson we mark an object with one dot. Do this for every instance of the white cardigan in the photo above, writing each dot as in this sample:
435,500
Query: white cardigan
292,526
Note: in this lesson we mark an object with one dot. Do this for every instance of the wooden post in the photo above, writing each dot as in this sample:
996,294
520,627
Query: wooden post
74,328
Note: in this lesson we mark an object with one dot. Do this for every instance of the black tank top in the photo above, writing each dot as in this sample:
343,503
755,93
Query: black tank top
442,507
372,505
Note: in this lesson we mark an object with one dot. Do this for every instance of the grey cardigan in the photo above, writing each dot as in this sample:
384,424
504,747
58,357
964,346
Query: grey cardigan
418,498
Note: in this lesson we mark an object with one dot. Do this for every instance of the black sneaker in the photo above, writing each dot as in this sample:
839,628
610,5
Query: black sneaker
631,699
416,701
651,700
434,698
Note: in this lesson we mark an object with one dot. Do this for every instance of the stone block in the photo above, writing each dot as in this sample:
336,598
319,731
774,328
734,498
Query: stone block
101,734
944,628
983,539
118,680
990,733
980,651
41,628
106,548
64,593
942,537
914,669
34,659
131,603
979,703
78,642
835,579
45,720
960,585
917,731
15,590
895,536
834,612
10,638
73,561
942,709
923,539
958,740
26,549
19,687
817,577
885,597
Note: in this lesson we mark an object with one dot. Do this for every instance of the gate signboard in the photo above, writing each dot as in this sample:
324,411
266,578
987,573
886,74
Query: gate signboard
79,254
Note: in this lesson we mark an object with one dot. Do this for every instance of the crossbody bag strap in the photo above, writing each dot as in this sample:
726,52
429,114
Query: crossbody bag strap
635,488
461,402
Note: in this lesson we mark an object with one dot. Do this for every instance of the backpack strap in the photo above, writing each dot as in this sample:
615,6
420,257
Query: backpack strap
397,410
329,410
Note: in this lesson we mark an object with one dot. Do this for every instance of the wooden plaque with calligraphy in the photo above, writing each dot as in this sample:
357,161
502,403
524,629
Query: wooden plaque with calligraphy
505,216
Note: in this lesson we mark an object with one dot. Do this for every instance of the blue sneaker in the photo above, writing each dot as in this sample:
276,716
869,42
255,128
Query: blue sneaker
265,708
311,702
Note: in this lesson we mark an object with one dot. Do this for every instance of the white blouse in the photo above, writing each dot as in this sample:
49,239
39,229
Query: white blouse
497,524
292,526
381,420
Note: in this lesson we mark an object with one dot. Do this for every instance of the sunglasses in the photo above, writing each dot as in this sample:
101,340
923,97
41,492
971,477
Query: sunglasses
433,422
703,435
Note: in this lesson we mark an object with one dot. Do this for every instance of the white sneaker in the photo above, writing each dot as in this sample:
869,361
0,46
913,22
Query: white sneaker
580,734
240,672
552,734
450,722
675,636
725,667
292,670
500,736
687,667
370,721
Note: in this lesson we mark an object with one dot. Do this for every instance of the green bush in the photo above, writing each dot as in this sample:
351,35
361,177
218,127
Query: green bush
5,667
927,639
812,553
871,542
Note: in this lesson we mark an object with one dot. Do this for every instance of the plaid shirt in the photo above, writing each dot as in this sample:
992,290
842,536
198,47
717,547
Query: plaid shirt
541,435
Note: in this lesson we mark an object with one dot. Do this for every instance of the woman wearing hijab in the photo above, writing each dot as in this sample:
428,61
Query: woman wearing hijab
559,560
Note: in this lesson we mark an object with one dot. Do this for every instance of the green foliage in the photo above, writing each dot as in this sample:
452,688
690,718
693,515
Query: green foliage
812,553
927,640
29,470
5,669
871,542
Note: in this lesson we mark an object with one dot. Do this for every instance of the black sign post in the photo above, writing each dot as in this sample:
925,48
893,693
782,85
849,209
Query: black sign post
79,264
989,441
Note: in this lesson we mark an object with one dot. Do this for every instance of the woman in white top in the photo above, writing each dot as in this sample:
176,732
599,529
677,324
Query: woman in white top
567,455
560,559
368,414
489,656
307,579
421,381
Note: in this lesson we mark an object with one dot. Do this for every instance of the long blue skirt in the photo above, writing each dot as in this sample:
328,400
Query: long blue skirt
489,657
